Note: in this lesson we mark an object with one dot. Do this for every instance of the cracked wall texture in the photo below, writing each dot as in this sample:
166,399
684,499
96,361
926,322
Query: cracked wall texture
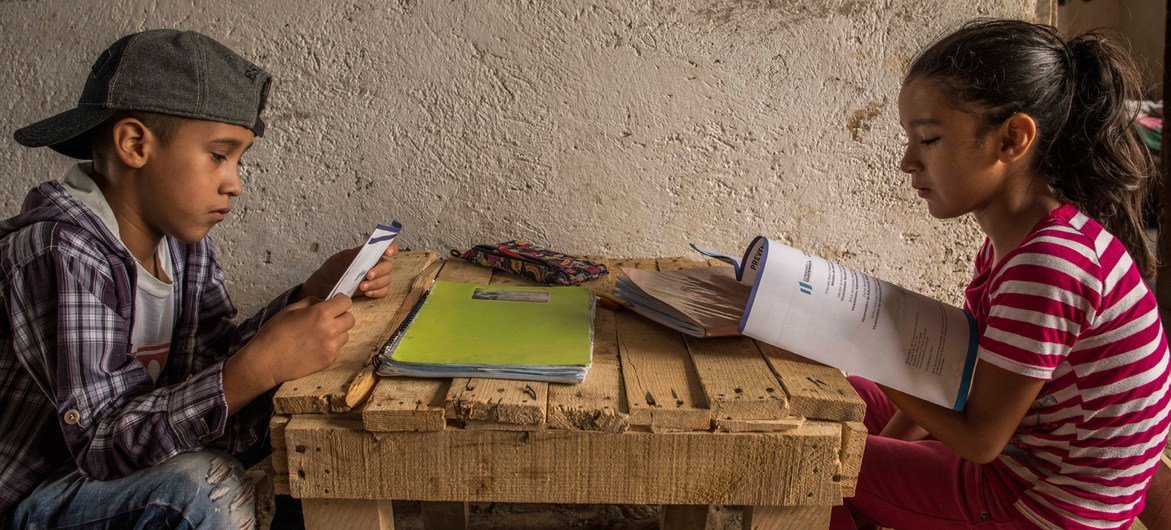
621,127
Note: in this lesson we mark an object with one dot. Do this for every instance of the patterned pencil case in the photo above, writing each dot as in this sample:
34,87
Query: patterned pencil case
535,263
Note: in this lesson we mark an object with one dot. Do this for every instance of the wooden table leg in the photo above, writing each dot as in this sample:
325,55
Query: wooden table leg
324,514
445,515
683,517
784,517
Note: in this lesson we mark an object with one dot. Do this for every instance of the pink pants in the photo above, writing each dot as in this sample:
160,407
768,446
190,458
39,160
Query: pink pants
921,484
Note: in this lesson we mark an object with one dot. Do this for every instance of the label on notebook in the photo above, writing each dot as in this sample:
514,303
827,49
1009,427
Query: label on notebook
511,295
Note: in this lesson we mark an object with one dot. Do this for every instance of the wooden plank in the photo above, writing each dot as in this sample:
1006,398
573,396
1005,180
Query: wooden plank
280,455
596,404
853,445
814,390
348,514
501,400
670,264
406,404
683,517
662,387
477,425
326,391
445,515
785,424
458,270
333,458
785,517
736,379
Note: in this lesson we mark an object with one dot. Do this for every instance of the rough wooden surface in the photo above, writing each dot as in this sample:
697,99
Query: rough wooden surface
853,447
338,459
660,419
325,391
785,517
662,387
500,400
734,425
814,390
280,457
406,404
598,403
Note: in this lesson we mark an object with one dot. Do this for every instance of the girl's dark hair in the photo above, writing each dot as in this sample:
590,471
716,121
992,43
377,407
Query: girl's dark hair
1077,92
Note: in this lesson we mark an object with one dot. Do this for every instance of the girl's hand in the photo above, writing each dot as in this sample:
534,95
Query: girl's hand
375,285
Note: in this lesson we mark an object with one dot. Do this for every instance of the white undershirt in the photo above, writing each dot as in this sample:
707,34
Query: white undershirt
154,299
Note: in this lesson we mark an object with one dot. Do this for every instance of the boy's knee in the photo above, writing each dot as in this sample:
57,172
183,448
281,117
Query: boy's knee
210,488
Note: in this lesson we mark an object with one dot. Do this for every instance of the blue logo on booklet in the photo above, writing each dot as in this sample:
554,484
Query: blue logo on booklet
805,288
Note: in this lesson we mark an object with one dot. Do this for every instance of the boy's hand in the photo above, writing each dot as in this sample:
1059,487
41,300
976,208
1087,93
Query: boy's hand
302,339
376,284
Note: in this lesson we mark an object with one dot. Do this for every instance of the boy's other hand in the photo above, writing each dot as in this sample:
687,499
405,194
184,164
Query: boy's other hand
376,284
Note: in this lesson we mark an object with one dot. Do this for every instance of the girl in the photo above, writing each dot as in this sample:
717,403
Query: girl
1068,413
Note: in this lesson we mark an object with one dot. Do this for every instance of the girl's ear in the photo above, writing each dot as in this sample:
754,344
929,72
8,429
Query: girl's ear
132,142
1017,136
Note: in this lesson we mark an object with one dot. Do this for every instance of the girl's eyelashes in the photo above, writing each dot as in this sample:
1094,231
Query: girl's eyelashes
218,157
929,141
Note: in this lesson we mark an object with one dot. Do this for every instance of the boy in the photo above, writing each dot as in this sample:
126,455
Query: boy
120,366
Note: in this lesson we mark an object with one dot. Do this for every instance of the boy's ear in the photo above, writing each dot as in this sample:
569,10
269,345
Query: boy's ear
132,142
1017,136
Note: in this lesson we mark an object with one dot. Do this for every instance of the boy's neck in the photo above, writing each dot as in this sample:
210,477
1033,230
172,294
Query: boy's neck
139,239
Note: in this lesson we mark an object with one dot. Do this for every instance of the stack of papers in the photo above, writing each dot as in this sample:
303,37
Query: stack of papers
495,331
703,302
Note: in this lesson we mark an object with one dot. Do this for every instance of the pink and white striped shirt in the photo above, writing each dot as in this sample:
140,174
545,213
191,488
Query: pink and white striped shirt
1068,306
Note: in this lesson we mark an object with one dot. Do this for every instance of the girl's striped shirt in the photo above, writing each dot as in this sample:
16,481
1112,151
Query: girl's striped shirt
1069,306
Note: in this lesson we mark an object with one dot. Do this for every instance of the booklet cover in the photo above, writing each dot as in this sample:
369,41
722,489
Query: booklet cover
366,259
497,331
830,313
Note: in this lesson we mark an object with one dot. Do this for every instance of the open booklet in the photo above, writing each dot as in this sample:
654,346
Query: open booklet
820,310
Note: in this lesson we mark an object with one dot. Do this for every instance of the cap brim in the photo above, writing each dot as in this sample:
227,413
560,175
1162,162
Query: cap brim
66,132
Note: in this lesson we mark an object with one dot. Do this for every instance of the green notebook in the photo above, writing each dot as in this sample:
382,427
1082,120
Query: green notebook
501,331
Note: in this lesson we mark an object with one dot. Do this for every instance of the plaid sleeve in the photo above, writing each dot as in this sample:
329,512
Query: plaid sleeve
218,337
113,419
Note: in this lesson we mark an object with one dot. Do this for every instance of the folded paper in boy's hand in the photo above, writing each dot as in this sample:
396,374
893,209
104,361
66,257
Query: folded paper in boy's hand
366,259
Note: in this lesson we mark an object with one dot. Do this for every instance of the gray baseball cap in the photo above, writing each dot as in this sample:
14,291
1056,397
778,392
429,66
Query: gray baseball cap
182,73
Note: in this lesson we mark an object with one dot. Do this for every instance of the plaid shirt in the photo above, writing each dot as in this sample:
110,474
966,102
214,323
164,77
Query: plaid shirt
71,394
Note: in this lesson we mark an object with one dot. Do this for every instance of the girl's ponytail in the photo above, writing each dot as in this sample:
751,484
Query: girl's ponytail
1097,161
1078,93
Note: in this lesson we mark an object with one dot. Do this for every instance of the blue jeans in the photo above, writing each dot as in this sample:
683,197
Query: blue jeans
204,489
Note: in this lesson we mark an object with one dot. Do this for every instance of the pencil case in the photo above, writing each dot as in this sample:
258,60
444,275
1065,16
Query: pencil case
535,263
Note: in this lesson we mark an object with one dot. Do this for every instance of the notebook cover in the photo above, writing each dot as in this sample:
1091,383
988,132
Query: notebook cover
470,324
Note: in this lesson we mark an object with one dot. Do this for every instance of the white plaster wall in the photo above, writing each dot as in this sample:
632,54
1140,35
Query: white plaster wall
626,128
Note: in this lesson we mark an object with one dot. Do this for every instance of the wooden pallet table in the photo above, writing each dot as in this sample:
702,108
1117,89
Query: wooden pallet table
661,419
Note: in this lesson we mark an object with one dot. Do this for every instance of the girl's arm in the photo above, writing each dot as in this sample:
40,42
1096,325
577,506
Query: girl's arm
901,427
996,405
